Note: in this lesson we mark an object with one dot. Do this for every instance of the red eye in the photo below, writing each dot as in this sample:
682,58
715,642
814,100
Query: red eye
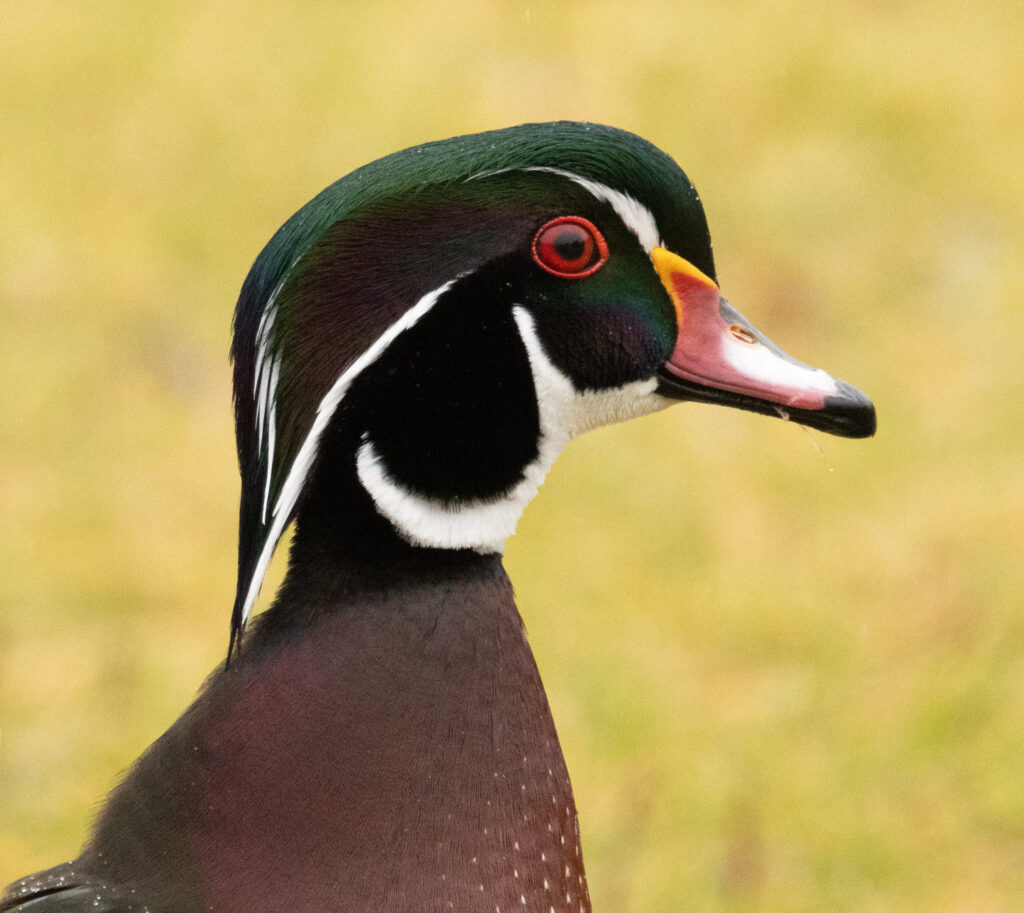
570,247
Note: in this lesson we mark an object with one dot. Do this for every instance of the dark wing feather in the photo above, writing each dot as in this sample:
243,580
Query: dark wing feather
65,889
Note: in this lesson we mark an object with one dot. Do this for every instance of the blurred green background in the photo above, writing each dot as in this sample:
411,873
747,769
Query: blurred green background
788,669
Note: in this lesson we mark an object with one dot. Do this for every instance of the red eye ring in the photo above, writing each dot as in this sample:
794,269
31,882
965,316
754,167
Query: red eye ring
570,247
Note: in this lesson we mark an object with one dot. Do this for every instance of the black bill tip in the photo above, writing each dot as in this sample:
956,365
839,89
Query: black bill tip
846,413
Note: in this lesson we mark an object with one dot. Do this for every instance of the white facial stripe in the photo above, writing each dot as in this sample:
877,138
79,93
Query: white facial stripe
299,470
638,218
566,412
485,525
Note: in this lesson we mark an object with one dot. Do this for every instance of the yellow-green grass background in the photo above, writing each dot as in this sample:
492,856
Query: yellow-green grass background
788,669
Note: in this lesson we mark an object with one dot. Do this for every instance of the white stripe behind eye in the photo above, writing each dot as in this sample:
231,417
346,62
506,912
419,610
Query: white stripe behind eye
638,218
299,470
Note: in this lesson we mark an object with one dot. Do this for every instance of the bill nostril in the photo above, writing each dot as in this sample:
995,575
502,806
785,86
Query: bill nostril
741,333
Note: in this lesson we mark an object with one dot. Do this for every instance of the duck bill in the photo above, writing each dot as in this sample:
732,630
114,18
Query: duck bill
720,357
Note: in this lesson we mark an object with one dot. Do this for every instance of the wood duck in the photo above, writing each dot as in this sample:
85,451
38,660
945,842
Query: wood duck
412,350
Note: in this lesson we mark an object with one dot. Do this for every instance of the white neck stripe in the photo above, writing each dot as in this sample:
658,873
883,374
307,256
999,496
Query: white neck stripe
481,525
297,474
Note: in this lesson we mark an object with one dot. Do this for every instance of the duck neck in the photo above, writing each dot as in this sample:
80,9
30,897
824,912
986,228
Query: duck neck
407,759
344,549
389,716
392,749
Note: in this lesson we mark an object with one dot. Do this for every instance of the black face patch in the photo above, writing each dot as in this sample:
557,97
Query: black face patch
450,406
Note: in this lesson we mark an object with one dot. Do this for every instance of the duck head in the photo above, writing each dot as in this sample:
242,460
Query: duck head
437,325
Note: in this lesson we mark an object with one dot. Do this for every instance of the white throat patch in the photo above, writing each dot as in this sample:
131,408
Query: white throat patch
485,525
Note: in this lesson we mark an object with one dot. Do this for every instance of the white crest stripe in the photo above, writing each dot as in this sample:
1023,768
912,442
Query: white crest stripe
259,409
263,334
300,467
271,433
263,395
264,385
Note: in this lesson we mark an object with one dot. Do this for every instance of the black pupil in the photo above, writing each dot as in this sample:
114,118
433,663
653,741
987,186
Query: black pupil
570,244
